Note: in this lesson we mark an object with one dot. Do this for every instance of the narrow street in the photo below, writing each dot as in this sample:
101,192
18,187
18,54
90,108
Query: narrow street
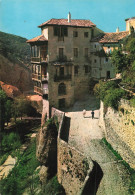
86,136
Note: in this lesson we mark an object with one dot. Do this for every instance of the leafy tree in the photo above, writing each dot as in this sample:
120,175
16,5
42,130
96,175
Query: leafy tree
8,108
130,46
113,97
23,107
109,92
119,60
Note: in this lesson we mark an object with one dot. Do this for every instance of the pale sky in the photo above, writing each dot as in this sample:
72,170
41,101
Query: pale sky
21,17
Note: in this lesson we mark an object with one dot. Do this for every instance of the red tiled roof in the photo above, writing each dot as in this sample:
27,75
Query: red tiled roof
98,37
110,37
37,39
76,22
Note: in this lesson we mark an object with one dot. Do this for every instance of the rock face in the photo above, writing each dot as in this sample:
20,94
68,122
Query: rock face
119,128
47,148
15,74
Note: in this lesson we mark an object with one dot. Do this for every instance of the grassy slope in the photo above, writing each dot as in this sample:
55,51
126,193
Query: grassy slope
14,48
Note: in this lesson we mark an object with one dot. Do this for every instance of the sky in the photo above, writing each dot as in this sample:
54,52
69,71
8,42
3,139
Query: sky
21,17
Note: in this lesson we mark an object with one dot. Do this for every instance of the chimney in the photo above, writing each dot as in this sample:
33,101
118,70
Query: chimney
69,17
117,29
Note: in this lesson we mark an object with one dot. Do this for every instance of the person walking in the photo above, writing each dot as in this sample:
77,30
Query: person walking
84,113
92,113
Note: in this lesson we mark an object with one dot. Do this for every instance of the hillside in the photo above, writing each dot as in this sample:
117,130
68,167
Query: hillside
15,61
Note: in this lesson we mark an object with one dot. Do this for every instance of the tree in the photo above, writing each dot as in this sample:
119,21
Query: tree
130,46
119,60
8,108
22,107
3,100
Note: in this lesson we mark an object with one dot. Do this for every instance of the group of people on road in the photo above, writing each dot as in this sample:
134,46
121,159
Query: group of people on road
92,113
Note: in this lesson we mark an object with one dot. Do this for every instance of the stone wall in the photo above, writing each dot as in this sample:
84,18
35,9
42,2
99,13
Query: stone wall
119,128
45,111
73,168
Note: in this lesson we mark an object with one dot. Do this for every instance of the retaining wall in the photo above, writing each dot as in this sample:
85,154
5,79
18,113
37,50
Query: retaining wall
119,128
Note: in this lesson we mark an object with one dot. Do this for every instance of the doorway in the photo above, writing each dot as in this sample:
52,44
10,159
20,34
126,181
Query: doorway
108,74
62,103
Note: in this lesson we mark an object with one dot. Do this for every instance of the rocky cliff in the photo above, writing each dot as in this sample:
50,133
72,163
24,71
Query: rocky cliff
15,61
47,150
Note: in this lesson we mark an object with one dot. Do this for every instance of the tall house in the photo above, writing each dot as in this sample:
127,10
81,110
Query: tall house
61,60
130,24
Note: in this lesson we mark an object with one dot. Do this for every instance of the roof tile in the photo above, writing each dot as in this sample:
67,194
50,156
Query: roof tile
76,22
39,38
110,37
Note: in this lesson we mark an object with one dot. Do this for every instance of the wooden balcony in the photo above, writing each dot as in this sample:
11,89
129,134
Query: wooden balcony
36,76
45,91
38,90
44,78
62,77
39,60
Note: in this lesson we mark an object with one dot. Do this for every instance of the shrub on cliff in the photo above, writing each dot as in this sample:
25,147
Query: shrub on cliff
109,92
53,187
5,109
113,97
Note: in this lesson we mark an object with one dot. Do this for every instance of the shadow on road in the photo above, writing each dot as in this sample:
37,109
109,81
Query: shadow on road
65,130
94,180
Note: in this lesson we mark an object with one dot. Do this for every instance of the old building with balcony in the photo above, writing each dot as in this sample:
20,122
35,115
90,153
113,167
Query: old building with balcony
67,54
60,58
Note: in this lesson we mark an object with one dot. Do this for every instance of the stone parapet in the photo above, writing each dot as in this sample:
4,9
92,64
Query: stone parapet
73,168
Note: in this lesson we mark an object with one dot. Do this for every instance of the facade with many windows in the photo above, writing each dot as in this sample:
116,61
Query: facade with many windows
64,59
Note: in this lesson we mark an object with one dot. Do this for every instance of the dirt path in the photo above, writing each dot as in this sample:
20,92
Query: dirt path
7,166
86,135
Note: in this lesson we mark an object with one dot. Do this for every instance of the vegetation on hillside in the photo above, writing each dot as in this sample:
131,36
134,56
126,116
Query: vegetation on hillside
14,48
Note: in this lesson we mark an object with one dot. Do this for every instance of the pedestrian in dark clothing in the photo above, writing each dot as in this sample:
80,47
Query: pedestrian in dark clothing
92,113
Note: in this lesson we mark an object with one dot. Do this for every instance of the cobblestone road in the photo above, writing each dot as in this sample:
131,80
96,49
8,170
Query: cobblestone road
86,135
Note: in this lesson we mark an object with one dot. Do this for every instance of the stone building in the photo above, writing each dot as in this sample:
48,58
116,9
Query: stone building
101,49
67,54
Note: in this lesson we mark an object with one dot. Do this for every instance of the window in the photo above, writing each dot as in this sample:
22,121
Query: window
86,69
62,89
56,31
60,31
95,46
108,74
35,51
106,59
95,60
86,52
86,34
92,33
61,71
75,34
75,52
76,70
61,52
64,31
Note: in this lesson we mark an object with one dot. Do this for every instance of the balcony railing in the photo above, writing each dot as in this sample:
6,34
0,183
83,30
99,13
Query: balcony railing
45,91
38,90
36,76
39,59
44,78
62,77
